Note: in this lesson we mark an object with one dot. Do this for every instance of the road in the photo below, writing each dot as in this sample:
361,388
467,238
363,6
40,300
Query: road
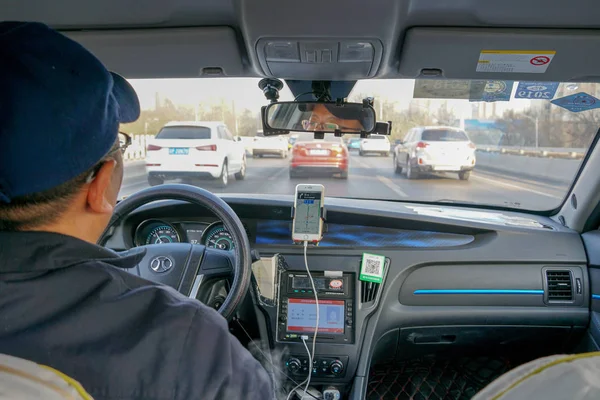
373,177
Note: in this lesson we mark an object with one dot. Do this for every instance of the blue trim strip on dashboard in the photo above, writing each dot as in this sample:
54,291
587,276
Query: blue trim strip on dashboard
478,291
596,296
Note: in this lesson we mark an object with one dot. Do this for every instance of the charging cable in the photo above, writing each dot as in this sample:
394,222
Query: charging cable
311,354
314,342
307,380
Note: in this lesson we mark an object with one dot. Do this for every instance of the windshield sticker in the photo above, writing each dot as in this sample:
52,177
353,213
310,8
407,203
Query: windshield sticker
536,90
577,102
514,61
492,91
441,89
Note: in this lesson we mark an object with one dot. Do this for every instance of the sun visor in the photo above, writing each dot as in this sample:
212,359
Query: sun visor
319,59
507,54
161,53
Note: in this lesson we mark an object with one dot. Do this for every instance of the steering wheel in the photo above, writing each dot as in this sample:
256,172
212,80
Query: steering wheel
185,266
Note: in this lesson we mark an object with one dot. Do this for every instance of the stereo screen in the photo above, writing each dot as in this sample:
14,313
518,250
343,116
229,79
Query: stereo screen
302,316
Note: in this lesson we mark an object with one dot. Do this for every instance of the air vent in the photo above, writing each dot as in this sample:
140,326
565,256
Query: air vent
368,291
560,285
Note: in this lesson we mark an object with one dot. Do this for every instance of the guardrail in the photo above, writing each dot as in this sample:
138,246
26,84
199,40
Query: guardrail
548,152
137,149
543,168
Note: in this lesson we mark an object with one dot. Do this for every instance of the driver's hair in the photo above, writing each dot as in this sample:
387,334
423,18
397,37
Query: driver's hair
43,208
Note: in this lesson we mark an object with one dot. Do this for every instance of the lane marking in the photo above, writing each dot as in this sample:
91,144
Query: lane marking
361,163
134,184
527,181
277,175
510,185
391,185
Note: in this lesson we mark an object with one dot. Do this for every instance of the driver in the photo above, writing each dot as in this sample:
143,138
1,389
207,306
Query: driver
64,301
329,117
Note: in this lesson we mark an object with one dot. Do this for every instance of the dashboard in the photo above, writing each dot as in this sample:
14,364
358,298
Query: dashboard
453,277
277,233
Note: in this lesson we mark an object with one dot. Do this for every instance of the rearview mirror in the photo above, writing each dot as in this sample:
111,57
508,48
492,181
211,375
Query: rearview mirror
320,117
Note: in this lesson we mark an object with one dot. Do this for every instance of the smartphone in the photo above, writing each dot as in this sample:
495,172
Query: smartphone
308,213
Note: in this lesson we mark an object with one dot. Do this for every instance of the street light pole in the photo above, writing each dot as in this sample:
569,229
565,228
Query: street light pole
536,120
537,133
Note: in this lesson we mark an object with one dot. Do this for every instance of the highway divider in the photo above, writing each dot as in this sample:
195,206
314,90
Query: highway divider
551,165
137,149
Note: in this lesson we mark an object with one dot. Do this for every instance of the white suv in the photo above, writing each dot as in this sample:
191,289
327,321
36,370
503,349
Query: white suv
379,144
435,149
270,145
195,151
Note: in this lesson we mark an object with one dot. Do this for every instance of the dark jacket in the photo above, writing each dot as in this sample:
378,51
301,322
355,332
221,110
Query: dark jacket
67,304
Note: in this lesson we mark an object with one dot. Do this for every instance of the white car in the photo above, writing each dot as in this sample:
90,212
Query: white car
270,145
247,142
435,149
379,144
195,151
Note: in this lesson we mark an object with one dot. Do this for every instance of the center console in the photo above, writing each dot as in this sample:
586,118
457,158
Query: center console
288,303
297,312
297,316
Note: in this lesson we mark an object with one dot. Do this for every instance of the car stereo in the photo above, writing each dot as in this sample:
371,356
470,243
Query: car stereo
297,312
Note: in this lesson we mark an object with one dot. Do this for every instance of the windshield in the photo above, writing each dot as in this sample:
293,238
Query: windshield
184,132
499,143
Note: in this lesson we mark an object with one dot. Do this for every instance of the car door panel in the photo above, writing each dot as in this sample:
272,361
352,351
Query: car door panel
405,148
227,149
237,150
591,241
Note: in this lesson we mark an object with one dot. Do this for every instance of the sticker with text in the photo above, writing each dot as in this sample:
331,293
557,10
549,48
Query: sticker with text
515,61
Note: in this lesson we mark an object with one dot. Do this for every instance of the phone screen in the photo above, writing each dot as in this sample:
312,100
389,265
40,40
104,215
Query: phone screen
308,213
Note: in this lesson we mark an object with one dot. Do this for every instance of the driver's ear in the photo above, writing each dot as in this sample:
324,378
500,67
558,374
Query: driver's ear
98,195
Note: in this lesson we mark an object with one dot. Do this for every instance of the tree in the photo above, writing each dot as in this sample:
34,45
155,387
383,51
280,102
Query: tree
151,121
247,123
556,127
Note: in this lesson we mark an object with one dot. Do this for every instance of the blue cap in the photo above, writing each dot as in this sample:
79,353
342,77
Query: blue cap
60,109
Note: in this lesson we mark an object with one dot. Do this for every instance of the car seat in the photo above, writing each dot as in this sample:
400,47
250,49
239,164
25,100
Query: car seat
22,379
558,377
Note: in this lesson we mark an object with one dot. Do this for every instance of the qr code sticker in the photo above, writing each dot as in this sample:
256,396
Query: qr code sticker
373,266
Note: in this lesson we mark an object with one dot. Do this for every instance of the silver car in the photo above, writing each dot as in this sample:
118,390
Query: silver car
435,149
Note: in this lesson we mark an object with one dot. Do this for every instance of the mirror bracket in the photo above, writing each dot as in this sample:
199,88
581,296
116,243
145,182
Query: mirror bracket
368,102
319,135
270,88
322,90
382,128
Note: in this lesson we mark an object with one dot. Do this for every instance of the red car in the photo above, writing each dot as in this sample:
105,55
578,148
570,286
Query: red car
327,156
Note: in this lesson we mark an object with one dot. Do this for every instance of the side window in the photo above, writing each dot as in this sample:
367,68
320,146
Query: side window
228,135
415,135
221,133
